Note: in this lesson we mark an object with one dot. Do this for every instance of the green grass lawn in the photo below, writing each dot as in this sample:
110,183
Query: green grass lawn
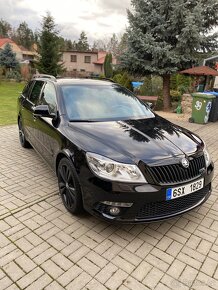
9,92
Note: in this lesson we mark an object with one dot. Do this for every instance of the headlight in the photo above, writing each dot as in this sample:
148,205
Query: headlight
112,170
207,157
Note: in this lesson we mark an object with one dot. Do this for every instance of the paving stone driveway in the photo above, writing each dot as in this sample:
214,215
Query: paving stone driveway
44,247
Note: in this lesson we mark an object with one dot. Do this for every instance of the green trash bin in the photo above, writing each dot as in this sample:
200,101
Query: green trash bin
201,106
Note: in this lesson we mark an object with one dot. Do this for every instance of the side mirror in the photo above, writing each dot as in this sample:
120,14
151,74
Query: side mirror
150,105
43,111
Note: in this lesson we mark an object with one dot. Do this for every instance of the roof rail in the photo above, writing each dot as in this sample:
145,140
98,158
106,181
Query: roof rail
44,76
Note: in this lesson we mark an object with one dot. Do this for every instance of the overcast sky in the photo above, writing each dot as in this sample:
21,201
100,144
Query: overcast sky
98,18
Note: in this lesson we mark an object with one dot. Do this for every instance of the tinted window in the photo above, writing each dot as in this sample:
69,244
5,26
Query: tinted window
49,97
26,89
102,103
35,94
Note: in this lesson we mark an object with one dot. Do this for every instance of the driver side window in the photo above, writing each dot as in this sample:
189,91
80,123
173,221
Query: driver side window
49,97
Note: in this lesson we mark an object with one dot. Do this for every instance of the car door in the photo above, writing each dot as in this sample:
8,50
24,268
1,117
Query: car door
28,105
47,134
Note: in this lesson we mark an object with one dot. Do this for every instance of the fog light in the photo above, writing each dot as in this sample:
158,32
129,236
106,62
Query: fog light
114,210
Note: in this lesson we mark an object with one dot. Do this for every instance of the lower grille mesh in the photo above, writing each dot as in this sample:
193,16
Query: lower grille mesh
165,208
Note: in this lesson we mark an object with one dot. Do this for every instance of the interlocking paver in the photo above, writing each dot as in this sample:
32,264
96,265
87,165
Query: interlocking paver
25,263
106,273
88,266
133,284
79,282
141,271
94,284
54,286
188,276
30,278
176,269
42,246
62,261
116,279
5,282
69,275
13,271
123,264
40,283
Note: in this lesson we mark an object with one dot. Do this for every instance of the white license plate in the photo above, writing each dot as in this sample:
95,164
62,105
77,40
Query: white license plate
179,191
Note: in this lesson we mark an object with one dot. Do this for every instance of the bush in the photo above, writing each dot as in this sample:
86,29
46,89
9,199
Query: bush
152,86
175,95
124,80
146,88
157,86
15,75
101,76
159,104
179,82
173,82
117,78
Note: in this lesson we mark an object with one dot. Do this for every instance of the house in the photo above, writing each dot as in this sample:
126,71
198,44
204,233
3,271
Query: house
101,59
22,54
84,63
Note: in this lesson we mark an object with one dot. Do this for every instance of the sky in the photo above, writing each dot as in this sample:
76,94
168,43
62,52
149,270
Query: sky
98,18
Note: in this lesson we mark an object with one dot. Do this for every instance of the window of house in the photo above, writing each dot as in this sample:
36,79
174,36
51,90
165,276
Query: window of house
87,59
73,58
82,70
74,69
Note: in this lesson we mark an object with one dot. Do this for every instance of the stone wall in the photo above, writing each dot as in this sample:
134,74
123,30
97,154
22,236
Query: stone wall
186,104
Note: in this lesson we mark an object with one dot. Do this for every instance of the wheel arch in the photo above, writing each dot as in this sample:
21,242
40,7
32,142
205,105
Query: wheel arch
62,154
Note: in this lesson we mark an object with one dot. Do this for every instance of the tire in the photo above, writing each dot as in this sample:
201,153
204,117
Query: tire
69,187
24,143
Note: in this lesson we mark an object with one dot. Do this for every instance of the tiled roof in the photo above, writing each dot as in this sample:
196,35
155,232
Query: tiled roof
201,71
5,40
100,60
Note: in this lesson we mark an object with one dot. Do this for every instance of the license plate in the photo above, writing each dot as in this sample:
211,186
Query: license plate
179,191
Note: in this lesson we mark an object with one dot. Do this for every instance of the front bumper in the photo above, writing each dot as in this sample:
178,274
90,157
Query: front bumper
148,201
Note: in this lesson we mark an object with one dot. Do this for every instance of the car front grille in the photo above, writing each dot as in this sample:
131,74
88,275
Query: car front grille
175,173
163,209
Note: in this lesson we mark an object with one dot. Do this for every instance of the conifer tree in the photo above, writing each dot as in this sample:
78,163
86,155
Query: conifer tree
49,50
8,58
24,36
108,70
167,36
82,44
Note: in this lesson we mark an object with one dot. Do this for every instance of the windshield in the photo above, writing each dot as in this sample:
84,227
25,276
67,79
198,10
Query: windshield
102,103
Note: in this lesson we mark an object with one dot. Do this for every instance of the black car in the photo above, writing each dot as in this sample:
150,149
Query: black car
113,156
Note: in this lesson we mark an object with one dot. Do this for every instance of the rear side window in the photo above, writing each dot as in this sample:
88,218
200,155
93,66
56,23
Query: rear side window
27,88
36,91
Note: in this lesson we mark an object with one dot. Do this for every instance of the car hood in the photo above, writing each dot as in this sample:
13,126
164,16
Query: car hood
149,140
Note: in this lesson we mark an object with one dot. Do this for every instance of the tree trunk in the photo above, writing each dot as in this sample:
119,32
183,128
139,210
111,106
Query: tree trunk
166,92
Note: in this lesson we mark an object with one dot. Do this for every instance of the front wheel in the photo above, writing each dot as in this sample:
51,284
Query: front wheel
69,187
24,143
